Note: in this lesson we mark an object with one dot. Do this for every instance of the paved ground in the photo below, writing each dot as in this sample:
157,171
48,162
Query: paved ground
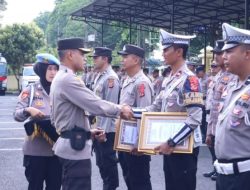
12,173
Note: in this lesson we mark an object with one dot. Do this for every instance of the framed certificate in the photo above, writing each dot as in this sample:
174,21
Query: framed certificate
158,127
126,135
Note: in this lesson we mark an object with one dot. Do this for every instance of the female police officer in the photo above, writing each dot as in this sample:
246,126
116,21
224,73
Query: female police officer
34,104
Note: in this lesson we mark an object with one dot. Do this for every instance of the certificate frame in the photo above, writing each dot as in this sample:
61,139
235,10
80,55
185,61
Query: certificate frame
175,120
120,143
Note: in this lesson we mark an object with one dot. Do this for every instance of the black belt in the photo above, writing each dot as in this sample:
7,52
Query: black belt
67,134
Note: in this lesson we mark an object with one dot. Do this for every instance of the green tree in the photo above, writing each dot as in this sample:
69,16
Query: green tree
18,44
60,24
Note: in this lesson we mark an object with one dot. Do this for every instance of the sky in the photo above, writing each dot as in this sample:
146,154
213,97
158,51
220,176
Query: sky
24,11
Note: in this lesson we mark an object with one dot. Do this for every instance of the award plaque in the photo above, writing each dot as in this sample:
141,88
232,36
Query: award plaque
126,135
158,127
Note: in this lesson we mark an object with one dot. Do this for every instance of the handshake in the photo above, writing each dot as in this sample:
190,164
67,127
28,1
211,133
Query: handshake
126,112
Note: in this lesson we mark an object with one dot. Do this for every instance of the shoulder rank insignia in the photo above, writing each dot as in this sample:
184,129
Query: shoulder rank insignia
111,83
141,90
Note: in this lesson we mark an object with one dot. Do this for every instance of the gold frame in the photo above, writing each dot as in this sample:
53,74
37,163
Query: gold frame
144,146
118,145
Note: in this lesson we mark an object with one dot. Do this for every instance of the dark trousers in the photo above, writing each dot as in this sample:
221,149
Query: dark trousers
107,161
76,174
136,171
233,182
42,168
204,124
211,149
180,171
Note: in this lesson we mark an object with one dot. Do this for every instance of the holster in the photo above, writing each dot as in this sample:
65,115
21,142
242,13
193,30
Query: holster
77,136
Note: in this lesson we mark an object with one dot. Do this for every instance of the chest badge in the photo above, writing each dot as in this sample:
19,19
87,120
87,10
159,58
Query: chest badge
39,103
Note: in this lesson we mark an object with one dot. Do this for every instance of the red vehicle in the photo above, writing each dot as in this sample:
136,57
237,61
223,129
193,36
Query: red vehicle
3,75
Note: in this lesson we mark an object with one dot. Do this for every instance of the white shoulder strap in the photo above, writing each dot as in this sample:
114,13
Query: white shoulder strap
172,87
31,94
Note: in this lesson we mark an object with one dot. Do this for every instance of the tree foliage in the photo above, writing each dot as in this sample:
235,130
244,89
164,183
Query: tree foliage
18,44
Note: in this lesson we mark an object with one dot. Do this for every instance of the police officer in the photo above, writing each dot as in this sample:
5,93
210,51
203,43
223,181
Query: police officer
71,102
203,79
137,91
221,81
157,81
107,87
232,137
41,165
182,93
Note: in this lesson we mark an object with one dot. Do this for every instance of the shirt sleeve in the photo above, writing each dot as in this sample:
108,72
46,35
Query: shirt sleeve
23,102
76,92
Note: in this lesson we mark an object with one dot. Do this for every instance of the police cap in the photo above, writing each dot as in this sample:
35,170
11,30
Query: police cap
72,43
102,51
132,49
234,36
218,47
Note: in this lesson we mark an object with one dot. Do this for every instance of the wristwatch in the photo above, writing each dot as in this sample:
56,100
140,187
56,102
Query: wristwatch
171,143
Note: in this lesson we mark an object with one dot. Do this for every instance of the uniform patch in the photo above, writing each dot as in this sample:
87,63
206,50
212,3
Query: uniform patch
226,78
194,83
39,103
24,95
141,90
193,98
245,97
111,83
237,111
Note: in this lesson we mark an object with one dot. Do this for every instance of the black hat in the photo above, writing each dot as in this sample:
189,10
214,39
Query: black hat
102,51
218,46
132,49
72,43
200,68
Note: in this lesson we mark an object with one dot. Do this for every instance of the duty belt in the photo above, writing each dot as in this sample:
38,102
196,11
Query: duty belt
232,168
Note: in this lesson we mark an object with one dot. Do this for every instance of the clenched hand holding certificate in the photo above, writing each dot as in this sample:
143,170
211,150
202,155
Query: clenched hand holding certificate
157,128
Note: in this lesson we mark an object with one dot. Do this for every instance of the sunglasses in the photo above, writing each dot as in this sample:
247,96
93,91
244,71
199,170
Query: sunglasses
214,66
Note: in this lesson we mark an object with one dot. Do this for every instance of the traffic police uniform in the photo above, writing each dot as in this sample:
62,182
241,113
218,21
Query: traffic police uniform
71,102
232,137
39,160
107,87
137,91
182,93
220,82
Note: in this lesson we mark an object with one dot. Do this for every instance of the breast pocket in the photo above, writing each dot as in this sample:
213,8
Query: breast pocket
130,97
